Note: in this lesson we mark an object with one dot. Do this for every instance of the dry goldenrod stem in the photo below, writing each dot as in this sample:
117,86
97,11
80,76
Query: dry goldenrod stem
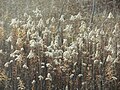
116,44
102,65
48,85
94,77
80,68
40,85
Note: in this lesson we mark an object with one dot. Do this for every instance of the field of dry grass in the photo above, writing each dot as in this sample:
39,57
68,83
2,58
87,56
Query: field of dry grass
60,45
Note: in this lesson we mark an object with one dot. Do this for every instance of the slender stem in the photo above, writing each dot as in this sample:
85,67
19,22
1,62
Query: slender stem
92,15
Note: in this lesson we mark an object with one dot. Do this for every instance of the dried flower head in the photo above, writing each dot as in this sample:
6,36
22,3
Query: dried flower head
62,18
33,82
110,16
49,77
6,64
40,77
31,54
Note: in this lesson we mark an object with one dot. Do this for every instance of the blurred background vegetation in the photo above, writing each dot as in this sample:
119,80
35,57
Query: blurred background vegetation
16,8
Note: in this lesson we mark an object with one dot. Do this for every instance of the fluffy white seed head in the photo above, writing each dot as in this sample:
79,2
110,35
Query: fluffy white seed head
33,82
71,76
110,16
31,54
25,66
80,75
62,18
114,78
18,78
40,77
6,64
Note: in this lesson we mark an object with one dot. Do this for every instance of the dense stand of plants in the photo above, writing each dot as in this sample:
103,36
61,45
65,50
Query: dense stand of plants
79,51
